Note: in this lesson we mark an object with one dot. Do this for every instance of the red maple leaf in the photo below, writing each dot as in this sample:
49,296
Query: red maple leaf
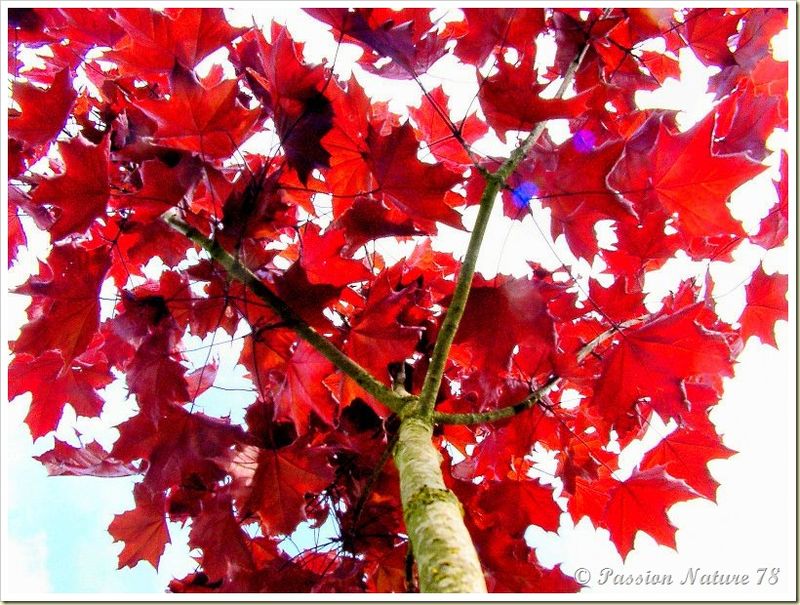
519,308
294,92
91,460
640,503
274,483
80,193
225,546
44,111
685,454
520,80
143,529
155,41
410,185
766,304
377,337
299,391
53,384
652,361
686,178
64,314
200,116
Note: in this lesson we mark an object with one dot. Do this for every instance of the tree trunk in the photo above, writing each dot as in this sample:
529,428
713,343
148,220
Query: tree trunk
445,555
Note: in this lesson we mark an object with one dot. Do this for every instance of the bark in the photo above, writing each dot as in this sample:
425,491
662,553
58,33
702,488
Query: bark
445,555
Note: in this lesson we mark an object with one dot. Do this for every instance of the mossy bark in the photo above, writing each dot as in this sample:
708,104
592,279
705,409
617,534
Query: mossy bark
445,555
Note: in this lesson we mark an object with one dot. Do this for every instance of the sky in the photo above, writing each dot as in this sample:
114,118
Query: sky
55,529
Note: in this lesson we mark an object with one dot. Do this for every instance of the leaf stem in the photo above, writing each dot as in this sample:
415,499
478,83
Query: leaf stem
238,271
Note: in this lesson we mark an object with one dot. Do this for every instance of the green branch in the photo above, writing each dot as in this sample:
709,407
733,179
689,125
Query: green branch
537,395
499,413
293,321
495,182
447,333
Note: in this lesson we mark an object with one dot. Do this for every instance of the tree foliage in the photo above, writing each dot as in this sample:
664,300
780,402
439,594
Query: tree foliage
141,168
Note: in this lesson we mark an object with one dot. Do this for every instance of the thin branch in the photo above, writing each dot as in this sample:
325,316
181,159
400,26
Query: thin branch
242,274
500,413
587,349
536,396
494,183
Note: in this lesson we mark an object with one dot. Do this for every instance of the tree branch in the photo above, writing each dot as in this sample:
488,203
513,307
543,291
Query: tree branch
241,273
495,182
500,413
536,396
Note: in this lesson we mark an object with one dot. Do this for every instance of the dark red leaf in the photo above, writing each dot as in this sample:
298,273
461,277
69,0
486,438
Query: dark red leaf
64,314
81,192
686,178
416,188
155,40
299,391
274,483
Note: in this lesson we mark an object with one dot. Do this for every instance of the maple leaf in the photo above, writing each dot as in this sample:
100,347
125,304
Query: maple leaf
53,385
686,178
295,94
155,377
531,502
519,306
300,391
154,41
408,184
64,314
708,31
766,304
640,503
187,446
376,337
489,28
143,529
519,80
274,483
433,122
684,454
570,180
201,116
368,219
323,261
81,192
44,112
225,546
91,460
163,186
652,361
404,36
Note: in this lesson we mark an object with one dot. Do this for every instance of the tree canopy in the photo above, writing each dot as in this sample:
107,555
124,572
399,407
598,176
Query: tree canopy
131,143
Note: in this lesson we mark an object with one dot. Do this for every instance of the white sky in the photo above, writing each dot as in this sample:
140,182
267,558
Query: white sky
54,532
